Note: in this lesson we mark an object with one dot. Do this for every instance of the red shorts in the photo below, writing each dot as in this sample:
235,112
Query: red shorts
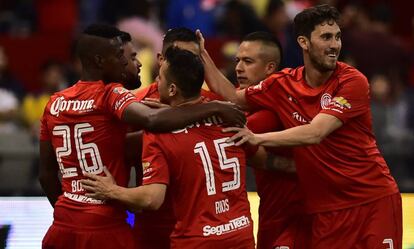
278,234
375,225
80,234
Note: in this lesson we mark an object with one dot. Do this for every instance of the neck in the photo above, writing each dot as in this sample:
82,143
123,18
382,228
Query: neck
91,75
315,77
180,101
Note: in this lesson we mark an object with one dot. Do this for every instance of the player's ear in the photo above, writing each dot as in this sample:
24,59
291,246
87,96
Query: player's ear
271,67
160,59
303,42
172,90
99,60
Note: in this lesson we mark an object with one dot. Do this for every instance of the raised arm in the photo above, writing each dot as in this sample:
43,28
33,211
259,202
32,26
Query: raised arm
48,172
168,119
216,81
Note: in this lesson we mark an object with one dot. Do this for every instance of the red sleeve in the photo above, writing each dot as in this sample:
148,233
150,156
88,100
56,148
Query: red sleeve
263,121
351,100
118,99
210,95
150,91
262,95
154,163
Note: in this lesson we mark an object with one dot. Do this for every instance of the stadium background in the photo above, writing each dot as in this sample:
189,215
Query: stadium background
37,58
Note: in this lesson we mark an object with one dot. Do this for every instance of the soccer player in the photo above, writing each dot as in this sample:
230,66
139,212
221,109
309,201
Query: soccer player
280,209
83,130
352,199
152,228
205,175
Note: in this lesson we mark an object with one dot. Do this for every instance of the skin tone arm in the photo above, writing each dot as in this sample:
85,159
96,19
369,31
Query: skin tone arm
167,119
269,161
149,197
321,126
48,172
216,81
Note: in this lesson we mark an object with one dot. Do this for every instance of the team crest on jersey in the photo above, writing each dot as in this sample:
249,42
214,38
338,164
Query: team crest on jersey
325,100
120,90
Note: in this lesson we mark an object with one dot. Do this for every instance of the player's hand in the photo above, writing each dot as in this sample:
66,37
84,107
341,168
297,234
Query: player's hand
230,113
201,39
153,103
99,187
242,136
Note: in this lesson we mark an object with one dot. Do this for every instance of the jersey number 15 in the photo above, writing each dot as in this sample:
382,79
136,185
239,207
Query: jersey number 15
225,163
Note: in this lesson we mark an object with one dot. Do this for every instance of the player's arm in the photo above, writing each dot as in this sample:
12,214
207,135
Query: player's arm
148,197
48,172
216,81
133,148
320,127
167,119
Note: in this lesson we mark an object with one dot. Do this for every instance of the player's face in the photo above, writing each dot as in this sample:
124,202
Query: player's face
115,62
325,46
251,66
133,68
163,86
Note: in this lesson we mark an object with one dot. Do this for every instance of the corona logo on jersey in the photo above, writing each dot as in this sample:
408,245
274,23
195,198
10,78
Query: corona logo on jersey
231,226
61,104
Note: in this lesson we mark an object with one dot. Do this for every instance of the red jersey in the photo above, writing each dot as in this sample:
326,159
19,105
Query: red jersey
206,179
280,202
336,173
153,228
83,124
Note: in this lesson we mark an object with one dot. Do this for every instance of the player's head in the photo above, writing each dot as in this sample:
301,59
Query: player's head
183,38
181,76
319,35
258,56
132,78
101,52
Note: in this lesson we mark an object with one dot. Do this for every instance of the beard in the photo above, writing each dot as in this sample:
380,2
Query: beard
320,64
132,82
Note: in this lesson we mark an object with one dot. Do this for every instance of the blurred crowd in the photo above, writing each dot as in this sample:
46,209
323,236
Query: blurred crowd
373,41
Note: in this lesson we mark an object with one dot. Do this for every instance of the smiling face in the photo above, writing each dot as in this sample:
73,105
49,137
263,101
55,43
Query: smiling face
324,46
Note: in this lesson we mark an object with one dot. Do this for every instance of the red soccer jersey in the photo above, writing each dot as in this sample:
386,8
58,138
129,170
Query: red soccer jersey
206,179
83,124
280,202
346,169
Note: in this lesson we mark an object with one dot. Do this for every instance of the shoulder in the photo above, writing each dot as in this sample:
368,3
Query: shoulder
350,75
150,91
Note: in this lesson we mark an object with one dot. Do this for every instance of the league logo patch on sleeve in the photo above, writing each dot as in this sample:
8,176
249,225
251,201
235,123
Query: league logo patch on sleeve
120,90
341,102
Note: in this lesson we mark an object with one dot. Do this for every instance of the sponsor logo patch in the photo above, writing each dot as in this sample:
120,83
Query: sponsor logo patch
120,90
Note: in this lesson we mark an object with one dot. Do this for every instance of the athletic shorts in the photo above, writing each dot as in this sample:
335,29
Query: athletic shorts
81,234
375,225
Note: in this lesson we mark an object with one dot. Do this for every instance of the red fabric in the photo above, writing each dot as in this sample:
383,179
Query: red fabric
203,201
83,124
152,229
335,174
377,224
74,229
281,206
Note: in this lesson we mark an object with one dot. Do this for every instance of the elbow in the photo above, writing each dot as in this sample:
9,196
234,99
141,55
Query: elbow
316,137
152,203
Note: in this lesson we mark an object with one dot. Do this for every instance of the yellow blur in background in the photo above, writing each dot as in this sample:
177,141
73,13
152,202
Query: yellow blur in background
408,217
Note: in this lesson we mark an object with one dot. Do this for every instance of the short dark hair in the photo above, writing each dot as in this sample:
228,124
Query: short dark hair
106,31
185,70
267,39
178,34
305,21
